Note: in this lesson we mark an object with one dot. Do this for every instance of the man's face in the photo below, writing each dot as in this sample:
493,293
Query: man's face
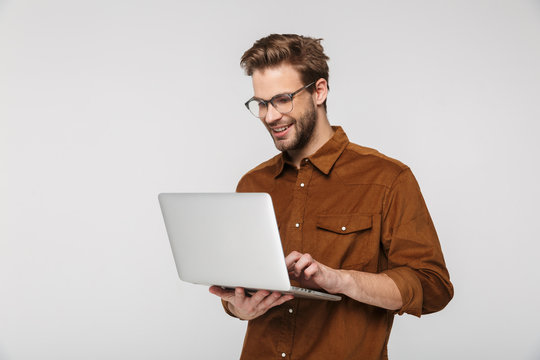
294,130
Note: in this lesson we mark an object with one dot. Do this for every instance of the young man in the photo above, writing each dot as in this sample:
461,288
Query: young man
352,221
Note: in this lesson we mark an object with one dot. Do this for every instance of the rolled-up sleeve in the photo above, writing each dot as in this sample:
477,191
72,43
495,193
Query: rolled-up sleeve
415,260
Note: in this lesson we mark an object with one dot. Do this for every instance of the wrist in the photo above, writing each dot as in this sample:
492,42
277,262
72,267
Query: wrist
231,309
343,281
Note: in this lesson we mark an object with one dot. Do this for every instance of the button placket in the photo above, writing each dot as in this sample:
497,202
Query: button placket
294,235
300,197
300,193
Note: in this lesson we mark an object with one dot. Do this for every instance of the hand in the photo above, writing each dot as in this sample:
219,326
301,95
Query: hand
250,307
311,273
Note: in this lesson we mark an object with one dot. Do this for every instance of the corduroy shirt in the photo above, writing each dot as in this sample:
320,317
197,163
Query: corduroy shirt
352,208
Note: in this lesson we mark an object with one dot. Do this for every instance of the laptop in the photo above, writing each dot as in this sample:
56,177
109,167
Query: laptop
229,240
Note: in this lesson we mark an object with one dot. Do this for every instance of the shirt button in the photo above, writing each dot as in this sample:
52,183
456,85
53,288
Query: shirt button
302,185
297,225
343,228
283,354
290,311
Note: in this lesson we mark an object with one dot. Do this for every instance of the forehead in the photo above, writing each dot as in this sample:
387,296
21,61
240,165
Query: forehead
275,80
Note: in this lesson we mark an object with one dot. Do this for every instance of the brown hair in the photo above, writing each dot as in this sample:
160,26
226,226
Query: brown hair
305,54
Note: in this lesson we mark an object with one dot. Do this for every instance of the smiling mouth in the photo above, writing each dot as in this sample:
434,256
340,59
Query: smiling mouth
280,129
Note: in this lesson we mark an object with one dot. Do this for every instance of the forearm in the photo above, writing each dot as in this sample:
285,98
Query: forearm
373,289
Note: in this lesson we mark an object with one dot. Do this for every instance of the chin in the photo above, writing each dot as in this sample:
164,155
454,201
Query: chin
285,144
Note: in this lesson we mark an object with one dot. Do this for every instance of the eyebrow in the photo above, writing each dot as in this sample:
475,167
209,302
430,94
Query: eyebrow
261,99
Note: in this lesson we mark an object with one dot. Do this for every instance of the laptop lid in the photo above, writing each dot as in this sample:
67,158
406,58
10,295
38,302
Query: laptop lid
226,239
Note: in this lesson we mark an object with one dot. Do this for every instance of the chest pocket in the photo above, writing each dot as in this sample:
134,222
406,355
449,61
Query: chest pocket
347,241
344,224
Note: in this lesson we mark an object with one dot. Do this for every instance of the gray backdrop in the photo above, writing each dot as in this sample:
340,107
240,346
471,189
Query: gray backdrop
106,103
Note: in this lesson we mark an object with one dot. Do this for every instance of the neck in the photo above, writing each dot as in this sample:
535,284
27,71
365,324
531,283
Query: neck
321,134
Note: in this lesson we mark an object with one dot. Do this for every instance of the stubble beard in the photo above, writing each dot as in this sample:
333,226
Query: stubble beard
304,127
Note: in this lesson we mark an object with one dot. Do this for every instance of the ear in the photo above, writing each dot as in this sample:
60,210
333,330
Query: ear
321,91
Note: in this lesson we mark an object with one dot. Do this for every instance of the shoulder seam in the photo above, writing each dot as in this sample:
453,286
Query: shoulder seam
373,152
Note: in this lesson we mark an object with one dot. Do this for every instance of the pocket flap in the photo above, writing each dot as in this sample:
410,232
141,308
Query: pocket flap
344,223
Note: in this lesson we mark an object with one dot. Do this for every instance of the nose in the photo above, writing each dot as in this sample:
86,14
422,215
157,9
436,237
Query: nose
272,114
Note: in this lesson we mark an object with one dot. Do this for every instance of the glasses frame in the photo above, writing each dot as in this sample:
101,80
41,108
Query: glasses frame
271,101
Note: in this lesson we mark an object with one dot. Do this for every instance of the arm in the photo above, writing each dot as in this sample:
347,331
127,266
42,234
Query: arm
373,289
410,242
415,280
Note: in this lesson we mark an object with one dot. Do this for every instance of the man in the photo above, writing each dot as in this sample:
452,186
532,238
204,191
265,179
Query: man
352,222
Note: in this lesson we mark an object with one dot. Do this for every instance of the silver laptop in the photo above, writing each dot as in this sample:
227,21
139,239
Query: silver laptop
230,240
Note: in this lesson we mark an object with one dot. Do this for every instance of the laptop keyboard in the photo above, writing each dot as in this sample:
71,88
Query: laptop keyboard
304,290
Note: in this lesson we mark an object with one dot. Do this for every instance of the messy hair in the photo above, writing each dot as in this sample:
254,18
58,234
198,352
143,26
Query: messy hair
305,54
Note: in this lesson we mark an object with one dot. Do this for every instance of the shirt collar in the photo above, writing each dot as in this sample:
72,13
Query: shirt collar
324,158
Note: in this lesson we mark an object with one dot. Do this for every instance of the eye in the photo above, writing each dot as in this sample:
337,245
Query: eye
282,99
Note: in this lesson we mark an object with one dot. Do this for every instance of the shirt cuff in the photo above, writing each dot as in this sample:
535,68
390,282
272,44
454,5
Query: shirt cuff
410,288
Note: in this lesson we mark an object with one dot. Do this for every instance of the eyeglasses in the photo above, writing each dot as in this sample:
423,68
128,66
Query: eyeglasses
281,102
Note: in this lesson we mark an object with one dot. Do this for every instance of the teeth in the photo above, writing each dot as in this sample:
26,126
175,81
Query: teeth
281,129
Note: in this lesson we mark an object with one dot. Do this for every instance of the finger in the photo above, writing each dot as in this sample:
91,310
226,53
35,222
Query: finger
311,270
222,293
292,258
293,276
259,296
302,263
282,300
269,301
239,294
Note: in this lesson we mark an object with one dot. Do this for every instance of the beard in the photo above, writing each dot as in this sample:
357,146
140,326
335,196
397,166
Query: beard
303,127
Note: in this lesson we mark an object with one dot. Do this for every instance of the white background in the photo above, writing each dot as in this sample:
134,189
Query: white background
106,103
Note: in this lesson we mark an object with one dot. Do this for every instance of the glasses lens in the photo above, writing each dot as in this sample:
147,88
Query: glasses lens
257,108
282,103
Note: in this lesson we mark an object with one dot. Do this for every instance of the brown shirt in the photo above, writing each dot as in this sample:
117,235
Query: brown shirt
350,207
